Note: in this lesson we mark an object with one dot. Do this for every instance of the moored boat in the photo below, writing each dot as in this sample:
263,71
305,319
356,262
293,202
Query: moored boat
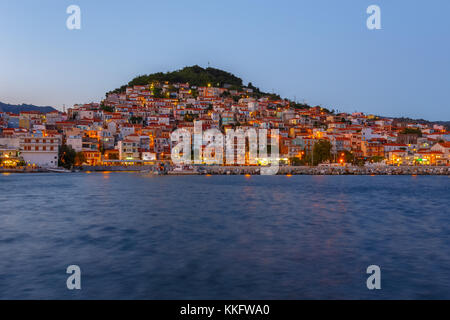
59,170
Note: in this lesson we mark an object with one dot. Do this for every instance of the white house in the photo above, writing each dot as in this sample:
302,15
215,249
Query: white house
40,151
76,142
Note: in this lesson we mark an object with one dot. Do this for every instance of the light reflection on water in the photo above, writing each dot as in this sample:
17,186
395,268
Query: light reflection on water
223,237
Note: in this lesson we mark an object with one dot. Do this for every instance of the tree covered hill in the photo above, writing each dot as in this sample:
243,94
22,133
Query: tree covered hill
195,75
423,121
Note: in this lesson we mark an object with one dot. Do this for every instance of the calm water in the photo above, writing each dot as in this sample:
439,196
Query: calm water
223,237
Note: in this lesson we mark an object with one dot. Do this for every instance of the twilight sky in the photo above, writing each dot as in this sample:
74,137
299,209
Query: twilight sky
319,51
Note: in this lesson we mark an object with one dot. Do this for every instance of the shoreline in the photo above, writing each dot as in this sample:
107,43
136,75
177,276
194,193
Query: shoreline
252,171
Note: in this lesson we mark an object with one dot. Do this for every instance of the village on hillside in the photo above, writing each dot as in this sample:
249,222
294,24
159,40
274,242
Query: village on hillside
133,126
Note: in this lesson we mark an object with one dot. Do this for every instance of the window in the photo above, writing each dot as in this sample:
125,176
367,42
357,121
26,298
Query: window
36,148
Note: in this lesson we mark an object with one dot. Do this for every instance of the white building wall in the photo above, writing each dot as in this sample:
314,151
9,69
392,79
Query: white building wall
75,143
10,142
41,159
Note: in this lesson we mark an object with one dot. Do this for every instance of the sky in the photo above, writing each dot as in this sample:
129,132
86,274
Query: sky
320,52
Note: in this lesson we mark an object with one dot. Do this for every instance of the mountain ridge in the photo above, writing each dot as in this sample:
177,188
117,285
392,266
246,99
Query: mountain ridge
16,109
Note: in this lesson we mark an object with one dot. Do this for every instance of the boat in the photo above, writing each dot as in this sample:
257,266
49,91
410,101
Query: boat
151,172
59,170
184,170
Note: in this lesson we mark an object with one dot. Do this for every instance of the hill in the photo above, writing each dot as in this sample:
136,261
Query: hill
195,75
425,122
4,107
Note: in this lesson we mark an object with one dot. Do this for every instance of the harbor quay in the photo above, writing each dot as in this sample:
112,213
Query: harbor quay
283,170
255,170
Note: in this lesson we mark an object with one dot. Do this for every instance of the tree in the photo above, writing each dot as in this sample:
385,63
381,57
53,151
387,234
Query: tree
136,120
412,131
194,75
225,94
157,93
106,108
376,159
190,117
194,93
66,156
296,161
321,152
79,159
348,156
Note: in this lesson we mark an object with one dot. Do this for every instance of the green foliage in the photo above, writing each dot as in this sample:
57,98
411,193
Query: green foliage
376,159
190,117
300,105
79,159
349,157
296,161
327,111
136,120
66,156
194,93
236,99
195,76
157,93
21,163
412,131
274,97
106,108
225,94
321,152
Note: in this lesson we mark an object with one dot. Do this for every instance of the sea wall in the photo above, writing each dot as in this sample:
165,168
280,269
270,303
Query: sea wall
283,170
117,168
384,170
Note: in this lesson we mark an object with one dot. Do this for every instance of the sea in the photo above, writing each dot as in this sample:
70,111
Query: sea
140,236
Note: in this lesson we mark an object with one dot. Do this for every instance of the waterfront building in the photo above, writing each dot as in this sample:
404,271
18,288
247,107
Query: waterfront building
39,150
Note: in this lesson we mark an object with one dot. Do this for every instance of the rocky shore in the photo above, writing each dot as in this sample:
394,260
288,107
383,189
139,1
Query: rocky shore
288,170
283,170
23,170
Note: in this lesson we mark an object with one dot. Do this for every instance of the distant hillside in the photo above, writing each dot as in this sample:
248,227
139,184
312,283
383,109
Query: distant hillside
195,75
426,122
4,107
